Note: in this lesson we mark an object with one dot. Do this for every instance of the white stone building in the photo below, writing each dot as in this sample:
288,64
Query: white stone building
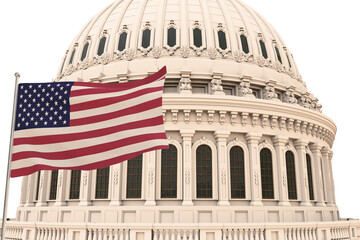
250,151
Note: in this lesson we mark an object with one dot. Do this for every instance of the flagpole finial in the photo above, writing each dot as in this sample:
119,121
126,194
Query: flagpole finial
17,74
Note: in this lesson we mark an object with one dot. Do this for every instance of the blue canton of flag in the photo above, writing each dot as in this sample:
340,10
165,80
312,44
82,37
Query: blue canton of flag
43,105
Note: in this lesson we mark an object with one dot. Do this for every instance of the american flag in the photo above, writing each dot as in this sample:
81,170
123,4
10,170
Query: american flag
85,126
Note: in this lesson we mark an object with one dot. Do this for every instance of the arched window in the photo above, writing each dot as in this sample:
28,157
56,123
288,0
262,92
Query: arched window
222,40
122,41
134,177
146,38
171,34
84,51
53,184
197,35
287,56
75,184
72,56
244,43
310,179
291,175
101,48
237,171
263,49
278,54
169,172
102,183
203,172
38,186
267,182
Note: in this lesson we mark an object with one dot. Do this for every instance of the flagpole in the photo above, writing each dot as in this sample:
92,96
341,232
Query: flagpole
17,76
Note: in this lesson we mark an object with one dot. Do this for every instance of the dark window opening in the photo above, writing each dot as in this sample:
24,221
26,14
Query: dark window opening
263,49
244,43
237,171
171,87
75,184
229,90
287,55
134,177
171,34
72,56
222,40
53,184
278,54
203,172
102,183
199,88
197,37
122,41
267,181
84,52
38,186
310,179
291,175
101,48
146,38
169,172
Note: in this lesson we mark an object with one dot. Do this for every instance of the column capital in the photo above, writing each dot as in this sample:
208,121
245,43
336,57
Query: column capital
331,154
301,143
187,133
279,139
325,151
315,147
253,136
218,134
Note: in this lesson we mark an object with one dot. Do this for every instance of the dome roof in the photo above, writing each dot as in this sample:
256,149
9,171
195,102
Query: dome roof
227,35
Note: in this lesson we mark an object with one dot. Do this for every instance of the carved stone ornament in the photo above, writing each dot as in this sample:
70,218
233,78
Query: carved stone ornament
60,179
212,52
244,118
254,119
305,101
244,89
116,175
157,52
129,54
269,92
185,82
223,176
256,177
262,62
85,177
211,114
187,176
41,180
222,116
284,178
233,117
104,59
174,114
306,181
185,51
216,85
289,97
187,116
274,121
316,105
279,67
85,64
151,176
69,70
264,120
199,116
240,56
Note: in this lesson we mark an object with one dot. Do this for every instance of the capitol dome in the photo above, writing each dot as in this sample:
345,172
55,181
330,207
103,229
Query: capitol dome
249,149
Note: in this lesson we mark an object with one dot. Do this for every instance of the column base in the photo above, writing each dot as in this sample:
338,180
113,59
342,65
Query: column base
187,203
305,204
256,203
85,203
331,205
41,204
284,204
29,205
150,203
223,203
320,204
59,204
115,203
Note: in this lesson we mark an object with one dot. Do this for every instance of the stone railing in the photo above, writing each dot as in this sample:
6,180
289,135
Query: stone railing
342,230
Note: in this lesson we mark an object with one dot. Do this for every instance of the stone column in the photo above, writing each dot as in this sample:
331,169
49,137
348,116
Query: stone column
85,188
300,145
24,184
279,144
187,135
255,171
223,179
43,186
31,186
115,186
318,179
327,178
61,189
149,183
332,178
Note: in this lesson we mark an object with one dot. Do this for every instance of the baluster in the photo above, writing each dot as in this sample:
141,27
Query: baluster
336,233
41,234
156,234
246,234
236,234
178,235
111,234
241,233
116,234
257,232
57,234
121,234
89,234
45,234
310,233
191,236
105,235
95,234
63,234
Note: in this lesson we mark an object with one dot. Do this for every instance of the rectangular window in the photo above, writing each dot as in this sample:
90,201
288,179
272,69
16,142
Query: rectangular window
75,184
134,177
53,184
169,172
38,186
102,183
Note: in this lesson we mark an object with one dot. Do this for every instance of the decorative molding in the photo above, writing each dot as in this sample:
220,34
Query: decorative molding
199,116
233,117
60,178
269,91
264,120
184,51
187,116
289,96
187,176
240,56
211,114
116,175
244,118
284,178
256,177
254,119
223,176
85,177
216,86
174,115
151,176
222,117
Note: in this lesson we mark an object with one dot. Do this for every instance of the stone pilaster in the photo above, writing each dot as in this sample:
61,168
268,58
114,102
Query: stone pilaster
187,165
300,145
149,159
221,137
31,186
43,186
61,189
85,188
327,178
318,176
279,144
24,184
332,179
255,171
115,186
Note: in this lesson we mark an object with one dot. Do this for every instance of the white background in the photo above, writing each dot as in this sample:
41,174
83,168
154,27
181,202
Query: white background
323,36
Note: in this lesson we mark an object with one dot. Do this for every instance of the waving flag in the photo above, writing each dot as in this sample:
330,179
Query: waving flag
85,126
